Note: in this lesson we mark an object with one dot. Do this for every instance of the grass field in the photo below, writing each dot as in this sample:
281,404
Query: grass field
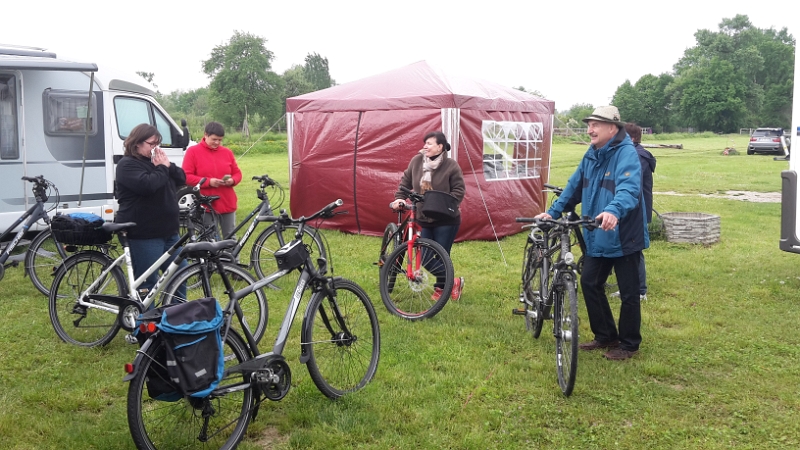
719,365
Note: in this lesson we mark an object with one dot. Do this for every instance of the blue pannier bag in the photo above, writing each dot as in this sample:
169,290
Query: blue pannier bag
79,229
194,357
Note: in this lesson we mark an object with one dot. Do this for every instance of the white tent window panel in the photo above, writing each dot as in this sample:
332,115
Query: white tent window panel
512,150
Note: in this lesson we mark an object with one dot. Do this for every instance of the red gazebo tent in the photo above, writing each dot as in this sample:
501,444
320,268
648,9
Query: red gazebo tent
353,141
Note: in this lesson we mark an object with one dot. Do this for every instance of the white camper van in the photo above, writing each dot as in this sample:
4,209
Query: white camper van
50,125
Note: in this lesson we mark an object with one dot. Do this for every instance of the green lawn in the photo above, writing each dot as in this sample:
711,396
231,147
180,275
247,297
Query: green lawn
718,367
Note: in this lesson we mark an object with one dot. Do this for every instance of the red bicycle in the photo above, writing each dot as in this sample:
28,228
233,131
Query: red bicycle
416,274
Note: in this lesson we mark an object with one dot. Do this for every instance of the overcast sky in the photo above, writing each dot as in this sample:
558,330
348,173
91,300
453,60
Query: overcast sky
571,51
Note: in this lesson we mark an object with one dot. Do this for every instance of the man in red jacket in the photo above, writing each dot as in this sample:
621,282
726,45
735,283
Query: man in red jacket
217,164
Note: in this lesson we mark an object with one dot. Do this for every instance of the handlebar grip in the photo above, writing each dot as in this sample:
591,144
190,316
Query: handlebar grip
406,190
552,186
33,179
197,187
526,219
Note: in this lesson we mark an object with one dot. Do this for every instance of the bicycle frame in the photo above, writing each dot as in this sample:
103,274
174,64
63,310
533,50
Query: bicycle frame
86,299
33,214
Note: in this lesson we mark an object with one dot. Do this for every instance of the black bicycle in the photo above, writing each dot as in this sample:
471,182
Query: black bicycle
44,253
340,345
549,284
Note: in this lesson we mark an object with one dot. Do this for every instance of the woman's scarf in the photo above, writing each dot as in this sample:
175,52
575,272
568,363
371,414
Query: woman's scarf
428,166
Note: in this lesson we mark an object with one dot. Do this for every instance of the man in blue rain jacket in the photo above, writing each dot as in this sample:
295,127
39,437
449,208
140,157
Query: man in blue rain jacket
608,184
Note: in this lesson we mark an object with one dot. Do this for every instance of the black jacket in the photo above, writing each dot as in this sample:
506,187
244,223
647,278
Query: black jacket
648,162
147,195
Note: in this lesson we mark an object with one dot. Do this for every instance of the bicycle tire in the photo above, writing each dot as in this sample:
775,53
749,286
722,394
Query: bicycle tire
415,299
390,241
254,306
79,325
532,288
156,424
262,258
566,333
44,256
340,360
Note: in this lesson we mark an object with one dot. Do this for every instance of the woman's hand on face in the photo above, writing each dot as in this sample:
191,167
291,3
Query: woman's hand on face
159,157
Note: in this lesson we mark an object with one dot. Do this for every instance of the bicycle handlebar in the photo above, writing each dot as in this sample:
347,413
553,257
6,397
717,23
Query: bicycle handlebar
412,195
325,212
265,180
586,221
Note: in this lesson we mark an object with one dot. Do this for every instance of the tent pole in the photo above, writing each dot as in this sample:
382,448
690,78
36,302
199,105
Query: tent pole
480,191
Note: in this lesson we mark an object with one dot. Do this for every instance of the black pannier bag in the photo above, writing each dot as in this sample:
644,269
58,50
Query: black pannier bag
195,360
79,229
440,205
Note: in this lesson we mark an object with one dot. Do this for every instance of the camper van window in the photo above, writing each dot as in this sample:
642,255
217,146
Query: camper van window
9,144
133,111
130,112
67,113
163,127
512,150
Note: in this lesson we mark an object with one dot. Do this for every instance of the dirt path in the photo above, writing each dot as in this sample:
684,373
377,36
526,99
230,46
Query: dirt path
747,196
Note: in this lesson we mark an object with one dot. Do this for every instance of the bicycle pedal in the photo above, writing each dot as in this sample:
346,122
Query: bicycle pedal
518,312
79,309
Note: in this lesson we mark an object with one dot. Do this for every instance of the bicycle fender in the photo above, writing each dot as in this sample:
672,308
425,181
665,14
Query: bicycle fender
140,355
305,355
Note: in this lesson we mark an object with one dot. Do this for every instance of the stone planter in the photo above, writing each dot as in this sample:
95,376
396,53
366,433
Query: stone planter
692,228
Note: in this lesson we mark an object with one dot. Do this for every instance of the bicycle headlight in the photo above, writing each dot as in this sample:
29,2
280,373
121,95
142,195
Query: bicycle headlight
569,258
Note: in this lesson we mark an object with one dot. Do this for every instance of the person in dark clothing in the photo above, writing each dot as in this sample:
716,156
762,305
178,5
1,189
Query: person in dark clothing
432,169
608,182
648,162
147,184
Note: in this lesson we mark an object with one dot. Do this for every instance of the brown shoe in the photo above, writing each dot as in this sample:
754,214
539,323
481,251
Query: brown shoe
619,354
595,345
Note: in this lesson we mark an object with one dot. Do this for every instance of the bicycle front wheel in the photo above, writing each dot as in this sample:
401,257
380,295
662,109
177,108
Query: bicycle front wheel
254,306
78,324
566,333
391,240
532,288
217,421
43,258
416,286
341,339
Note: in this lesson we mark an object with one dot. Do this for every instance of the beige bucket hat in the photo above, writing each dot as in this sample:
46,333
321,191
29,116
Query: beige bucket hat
606,114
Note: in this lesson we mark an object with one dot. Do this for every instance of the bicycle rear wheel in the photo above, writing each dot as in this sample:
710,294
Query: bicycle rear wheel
532,288
84,325
341,339
254,306
43,258
566,333
417,286
158,424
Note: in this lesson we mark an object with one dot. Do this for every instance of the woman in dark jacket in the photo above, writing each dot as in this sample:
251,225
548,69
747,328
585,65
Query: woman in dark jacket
147,183
431,169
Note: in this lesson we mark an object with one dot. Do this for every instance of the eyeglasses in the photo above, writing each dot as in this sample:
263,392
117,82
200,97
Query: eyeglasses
151,144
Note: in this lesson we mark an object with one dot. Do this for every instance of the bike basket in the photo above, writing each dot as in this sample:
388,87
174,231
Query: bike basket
79,229
291,255
195,360
440,205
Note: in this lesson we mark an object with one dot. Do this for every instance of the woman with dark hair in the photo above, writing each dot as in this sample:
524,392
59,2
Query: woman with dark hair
432,169
146,191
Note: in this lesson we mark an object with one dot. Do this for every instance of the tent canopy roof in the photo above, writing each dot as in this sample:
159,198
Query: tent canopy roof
418,86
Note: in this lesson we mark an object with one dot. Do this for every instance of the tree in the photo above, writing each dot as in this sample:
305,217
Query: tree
240,75
316,72
295,82
646,102
712,97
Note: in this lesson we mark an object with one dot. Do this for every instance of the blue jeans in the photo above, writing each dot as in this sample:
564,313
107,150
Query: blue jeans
601,320
144,252
444,236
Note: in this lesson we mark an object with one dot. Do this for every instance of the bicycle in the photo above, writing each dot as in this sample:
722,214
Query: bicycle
340,345
417,275
549,283
262,259
91,299
43,246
